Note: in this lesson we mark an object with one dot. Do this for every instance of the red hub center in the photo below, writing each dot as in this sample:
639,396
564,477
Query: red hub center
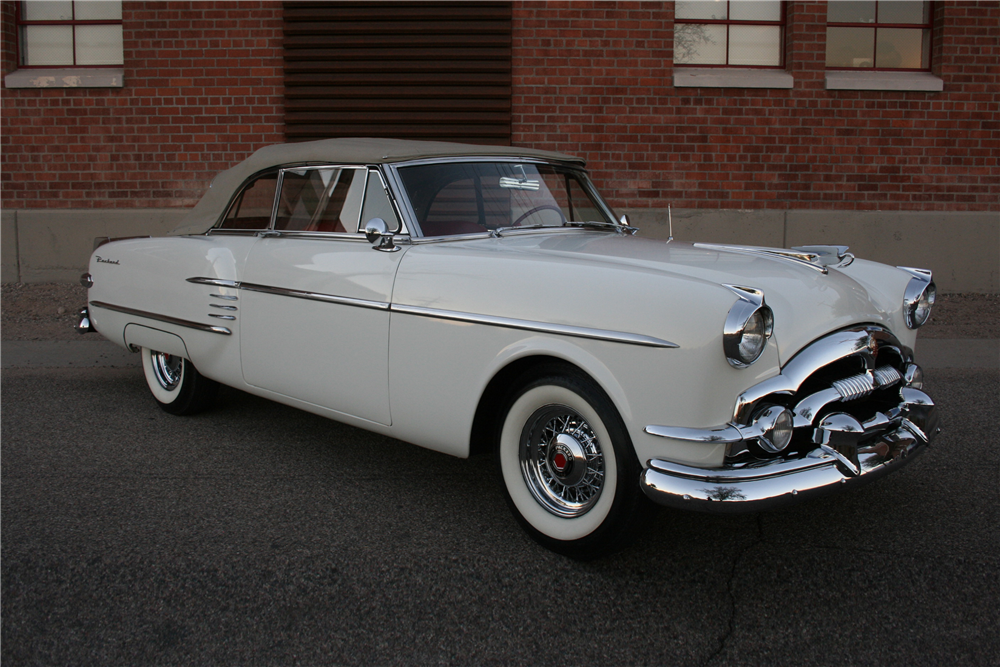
560,461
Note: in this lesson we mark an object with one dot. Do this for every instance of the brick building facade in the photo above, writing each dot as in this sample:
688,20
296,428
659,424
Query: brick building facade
904,176
597,79
203,89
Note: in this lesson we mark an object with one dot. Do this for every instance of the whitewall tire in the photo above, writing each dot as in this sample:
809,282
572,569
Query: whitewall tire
176,384
569,471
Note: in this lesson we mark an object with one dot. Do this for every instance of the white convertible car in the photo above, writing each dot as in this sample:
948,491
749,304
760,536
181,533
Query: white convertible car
468,298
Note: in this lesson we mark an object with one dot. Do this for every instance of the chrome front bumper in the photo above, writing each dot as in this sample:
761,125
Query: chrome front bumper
844,457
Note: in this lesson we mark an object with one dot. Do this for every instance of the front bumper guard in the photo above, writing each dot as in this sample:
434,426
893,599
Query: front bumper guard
848,453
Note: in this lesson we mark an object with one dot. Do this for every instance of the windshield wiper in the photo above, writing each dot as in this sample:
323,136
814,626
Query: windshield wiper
594,224
496,232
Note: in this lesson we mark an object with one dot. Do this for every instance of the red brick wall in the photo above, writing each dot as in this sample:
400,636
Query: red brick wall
596,79
203,89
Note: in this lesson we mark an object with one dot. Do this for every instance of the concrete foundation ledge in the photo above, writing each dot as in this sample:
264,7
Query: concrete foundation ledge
963,249
45,246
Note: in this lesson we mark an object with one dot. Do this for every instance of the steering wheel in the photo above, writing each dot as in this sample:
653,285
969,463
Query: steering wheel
543,207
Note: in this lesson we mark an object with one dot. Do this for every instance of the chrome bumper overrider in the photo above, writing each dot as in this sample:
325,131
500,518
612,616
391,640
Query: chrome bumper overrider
848,453
854,402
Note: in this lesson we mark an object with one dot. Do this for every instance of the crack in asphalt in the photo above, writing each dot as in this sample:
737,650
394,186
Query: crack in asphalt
740,555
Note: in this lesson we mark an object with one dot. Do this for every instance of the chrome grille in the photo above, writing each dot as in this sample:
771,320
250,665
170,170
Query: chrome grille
887,375
854,387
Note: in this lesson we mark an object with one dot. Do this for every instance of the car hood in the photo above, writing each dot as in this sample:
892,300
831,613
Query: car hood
683,277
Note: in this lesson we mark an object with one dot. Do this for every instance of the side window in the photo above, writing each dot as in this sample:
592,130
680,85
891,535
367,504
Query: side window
878,35
252,207
377,204
320,200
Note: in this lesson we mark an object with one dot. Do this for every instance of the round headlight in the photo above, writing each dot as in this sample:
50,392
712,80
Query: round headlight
748,326
918,299
753,340
921,310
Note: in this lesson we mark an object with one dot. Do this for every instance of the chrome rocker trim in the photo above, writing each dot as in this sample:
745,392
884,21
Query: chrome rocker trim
762,485
162,318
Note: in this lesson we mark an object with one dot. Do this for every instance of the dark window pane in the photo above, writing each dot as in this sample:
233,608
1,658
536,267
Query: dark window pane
252,208
850,47
850,12
899,48
904,12
472,198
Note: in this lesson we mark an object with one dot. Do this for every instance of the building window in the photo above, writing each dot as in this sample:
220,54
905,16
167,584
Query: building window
69,34
878,35
729,34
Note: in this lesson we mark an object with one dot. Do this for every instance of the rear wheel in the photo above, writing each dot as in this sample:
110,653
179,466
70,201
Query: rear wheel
569,469
176,384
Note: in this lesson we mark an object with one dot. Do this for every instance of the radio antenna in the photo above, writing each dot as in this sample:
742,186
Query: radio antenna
670,225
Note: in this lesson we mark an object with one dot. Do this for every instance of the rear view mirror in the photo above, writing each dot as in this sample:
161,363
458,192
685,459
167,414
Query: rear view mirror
378,234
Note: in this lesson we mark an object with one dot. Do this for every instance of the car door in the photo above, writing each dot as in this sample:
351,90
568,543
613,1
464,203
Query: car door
315,294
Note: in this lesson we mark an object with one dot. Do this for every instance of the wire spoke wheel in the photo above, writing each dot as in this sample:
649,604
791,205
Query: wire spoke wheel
168,370
562,461
570,474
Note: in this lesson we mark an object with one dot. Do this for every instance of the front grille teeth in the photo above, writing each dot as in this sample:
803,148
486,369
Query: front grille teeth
886,375
854,387
859,386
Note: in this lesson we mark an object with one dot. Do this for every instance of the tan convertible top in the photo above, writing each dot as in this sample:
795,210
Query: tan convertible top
359,151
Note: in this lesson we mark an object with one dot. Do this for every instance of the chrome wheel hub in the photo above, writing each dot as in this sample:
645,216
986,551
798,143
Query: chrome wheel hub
167,368
561,461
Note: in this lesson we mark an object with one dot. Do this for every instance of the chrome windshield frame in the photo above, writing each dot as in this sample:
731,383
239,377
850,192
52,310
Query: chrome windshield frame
395,183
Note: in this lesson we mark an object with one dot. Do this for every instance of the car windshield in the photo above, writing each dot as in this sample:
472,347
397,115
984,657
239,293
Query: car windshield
477,197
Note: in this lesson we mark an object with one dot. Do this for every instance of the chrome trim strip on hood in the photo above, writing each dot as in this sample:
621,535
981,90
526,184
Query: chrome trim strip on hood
800,258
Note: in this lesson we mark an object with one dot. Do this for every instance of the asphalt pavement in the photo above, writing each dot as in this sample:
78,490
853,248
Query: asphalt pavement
259,534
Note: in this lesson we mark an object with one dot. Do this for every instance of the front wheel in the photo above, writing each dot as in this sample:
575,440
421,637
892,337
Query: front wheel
570,474
176,384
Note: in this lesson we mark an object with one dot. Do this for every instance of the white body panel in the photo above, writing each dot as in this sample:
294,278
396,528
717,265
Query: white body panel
332,355
421,378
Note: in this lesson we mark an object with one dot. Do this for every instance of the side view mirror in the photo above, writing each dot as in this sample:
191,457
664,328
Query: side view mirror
378,234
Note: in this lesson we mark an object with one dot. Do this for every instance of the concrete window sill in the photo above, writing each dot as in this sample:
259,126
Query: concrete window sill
66,77
913,81
726,77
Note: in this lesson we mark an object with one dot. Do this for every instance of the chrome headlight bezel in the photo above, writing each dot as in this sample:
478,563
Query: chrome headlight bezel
749,316
918,298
